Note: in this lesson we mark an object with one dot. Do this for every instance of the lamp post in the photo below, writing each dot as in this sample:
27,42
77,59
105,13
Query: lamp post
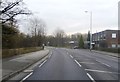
90,28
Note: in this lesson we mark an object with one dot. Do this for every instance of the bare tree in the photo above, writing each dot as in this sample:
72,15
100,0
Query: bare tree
37,28
59,35
9,9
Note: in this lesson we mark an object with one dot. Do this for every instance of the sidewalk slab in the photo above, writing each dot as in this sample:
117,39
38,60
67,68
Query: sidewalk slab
16,64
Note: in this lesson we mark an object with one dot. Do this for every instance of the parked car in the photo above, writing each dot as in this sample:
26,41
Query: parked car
76,47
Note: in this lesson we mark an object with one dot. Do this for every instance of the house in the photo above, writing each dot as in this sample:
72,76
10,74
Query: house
107,39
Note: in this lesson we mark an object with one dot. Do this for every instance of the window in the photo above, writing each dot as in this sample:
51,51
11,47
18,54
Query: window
98,38
104,38
113,35
113,45
104,35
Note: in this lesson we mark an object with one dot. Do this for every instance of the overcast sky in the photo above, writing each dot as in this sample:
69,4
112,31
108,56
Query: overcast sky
69,15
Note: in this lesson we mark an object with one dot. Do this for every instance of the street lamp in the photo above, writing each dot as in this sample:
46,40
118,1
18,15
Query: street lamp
90,28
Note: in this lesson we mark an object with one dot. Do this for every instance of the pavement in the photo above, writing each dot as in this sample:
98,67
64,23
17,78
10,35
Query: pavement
14,65
59,66
74,64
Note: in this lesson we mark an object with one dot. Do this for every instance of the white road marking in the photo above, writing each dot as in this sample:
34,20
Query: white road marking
28,71
101,71
90,77
42,63
98,61
26,77
103,63
87,62
78,63
106,64
71,56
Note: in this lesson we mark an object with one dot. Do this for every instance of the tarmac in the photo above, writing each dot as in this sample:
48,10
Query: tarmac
107,53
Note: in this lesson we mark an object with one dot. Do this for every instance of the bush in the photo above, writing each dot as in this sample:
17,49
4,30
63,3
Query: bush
13,52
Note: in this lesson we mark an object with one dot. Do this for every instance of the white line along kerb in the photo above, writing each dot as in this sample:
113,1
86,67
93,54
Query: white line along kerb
90,77
42,63
26,77
78,63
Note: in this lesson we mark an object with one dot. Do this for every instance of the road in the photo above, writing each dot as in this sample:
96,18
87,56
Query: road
74,64
60,66
99,66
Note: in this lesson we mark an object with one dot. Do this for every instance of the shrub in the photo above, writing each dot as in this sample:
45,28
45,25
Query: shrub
13,52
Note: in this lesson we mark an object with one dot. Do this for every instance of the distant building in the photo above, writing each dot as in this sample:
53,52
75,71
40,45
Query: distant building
107,39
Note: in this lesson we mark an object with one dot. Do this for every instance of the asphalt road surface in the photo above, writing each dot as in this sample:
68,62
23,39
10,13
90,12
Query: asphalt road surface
60,66
74,64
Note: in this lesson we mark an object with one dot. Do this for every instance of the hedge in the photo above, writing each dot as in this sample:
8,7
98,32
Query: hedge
18,51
